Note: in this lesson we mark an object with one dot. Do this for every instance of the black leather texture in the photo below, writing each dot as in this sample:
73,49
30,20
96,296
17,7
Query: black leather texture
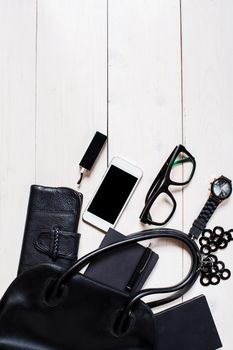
51,308
83,319
50,234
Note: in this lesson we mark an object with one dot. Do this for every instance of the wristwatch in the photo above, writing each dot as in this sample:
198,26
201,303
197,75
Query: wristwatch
221,189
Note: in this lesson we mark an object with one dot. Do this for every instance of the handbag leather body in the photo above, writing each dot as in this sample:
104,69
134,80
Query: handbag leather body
49,308
50,234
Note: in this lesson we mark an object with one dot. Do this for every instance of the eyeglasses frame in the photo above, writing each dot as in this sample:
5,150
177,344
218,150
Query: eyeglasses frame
161,185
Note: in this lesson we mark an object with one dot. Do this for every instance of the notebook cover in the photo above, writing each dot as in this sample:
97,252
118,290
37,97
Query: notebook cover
188,326
116,268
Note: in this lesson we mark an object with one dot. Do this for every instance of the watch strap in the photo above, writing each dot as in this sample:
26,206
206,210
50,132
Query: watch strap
200,223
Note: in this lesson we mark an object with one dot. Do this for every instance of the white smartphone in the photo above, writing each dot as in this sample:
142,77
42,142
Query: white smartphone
112,195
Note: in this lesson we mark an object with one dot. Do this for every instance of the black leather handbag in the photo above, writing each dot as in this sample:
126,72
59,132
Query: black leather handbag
49,308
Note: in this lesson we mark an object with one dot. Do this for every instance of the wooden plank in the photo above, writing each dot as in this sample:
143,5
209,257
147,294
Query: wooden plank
71,95
17,120
145,120
208,123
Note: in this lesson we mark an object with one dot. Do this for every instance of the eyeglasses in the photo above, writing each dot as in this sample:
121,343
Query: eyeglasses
160,203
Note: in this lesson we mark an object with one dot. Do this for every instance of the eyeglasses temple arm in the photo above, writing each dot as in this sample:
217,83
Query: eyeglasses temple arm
159,178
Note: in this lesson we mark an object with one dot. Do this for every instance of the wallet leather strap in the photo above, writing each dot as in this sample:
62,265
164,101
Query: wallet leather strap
58,243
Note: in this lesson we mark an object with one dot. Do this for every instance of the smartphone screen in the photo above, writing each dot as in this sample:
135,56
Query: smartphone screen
112,194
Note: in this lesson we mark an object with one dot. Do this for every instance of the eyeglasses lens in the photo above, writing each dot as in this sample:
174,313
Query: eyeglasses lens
182,168
161,208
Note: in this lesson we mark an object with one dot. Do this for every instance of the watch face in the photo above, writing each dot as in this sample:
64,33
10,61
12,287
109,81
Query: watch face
222,188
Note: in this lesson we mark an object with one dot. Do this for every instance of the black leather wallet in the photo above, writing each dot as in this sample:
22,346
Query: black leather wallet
187,326
50,234
125,268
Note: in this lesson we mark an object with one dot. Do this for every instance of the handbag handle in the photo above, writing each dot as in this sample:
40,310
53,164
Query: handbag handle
177,290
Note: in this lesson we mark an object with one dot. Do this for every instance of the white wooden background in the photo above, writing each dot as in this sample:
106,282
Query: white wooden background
151,74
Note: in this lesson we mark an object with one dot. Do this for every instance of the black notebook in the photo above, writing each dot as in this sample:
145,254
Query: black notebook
187,326
126,268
